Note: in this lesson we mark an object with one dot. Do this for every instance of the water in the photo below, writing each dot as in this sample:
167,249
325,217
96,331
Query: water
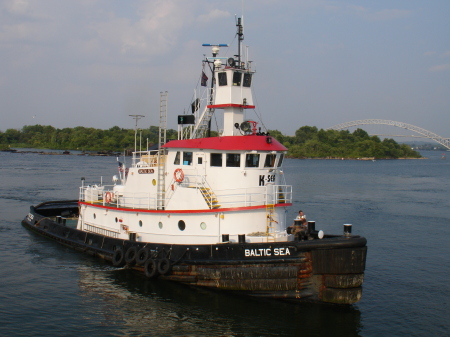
400,206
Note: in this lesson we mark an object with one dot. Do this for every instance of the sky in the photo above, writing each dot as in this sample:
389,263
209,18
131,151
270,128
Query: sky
93,63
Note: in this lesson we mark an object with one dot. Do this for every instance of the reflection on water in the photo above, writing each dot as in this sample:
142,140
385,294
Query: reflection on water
135,305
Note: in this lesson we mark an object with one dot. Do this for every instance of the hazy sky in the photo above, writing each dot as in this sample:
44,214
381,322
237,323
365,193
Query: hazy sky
94,62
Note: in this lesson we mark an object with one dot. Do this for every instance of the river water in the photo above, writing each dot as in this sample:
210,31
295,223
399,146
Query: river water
402,207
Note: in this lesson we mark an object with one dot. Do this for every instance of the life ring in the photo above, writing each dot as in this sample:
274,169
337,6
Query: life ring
178,175
150,268
108,197
118,259
142,256
164,266
130,256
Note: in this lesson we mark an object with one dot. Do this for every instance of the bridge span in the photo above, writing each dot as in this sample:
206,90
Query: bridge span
422,132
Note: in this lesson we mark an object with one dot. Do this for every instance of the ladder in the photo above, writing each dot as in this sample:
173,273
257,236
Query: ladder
210,197
161,194
201,127
281,197
270,230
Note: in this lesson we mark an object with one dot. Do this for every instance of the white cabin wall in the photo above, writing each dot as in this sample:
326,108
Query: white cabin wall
186,198
231,116
232,94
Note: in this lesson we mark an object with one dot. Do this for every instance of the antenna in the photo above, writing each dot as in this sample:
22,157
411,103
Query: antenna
136,118
240,34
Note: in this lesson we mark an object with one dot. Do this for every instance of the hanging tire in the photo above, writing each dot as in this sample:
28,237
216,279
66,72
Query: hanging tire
130,256
142,256
151,268
164,266
118,259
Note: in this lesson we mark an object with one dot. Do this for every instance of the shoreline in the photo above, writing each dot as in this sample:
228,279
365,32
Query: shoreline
104,154
65,153
362,159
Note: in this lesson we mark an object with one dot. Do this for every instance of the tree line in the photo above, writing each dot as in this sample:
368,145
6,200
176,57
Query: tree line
308,141
115,139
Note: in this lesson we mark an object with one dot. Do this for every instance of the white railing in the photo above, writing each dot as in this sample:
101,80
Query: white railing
99,230
227,198
145,158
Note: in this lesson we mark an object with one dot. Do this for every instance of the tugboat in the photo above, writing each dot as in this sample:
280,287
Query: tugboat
210,211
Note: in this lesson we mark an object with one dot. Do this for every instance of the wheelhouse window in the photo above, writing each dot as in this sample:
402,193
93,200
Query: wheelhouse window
233,160
187,158
252,160
270,160
280,160
222,78
247,80
237,77
216,159
177,158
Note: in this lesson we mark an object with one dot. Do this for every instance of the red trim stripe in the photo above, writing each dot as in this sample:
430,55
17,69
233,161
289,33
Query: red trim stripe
239,143
231,209
230,105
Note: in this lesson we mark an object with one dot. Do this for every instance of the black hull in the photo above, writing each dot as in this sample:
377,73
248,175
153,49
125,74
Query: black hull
327,270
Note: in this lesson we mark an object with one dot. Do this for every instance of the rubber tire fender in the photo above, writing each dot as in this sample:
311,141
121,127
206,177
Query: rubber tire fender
164,266
118,259
151,268
131,255
142,256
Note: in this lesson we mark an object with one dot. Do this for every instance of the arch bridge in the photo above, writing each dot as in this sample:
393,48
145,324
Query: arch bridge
422,132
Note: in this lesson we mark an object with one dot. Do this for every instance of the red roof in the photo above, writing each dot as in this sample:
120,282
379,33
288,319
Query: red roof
235,143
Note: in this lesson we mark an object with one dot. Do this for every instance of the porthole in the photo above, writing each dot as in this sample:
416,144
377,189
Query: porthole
140,223
117,220
160,225
181,225
203,226
94,215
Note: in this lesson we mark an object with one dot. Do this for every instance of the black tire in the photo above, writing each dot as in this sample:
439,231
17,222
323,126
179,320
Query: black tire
118,259
164,266
142,256
130,256
151,268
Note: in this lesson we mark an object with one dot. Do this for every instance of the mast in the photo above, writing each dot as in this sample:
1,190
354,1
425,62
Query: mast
240,34
162,151
211,96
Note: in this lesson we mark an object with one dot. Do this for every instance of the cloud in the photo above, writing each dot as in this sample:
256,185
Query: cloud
18,7
155,29
213,15
441,67
382,15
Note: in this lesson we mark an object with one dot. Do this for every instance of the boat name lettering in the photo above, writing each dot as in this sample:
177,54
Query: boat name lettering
263,180
268,252
143,171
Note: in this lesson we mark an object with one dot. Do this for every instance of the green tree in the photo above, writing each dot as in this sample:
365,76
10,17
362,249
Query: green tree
305,133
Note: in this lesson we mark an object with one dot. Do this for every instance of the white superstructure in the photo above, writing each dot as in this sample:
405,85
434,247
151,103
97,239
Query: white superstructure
208,188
